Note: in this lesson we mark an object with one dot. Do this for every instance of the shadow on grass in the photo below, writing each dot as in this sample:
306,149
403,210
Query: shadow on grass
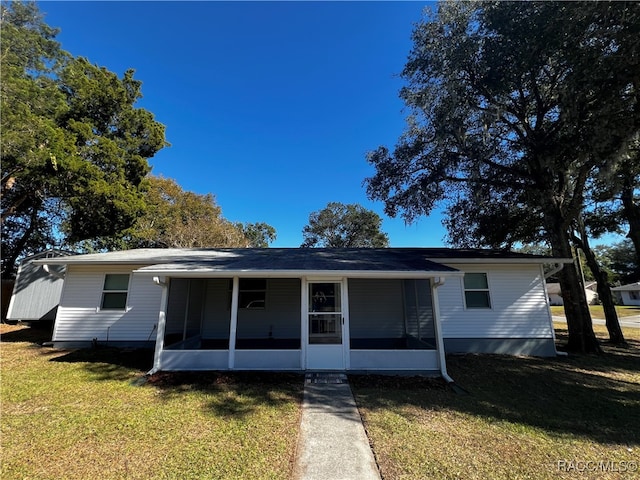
593,396
36,332
108,363
232,394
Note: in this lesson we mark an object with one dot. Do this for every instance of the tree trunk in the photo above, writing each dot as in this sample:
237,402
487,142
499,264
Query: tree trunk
631,213
581,336
604,290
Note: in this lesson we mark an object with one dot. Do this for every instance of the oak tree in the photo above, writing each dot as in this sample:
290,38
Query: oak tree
340,226
514,108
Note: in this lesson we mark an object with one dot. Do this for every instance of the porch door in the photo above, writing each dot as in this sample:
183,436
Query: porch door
325,349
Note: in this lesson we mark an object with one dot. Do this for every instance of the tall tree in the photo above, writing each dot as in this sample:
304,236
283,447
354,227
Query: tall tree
258,235
176,218
74,146
620,261
339,225
514,106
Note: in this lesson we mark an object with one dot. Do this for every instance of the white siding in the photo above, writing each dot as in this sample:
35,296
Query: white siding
627,300
518,305
176,306
281,315
388,308
80,318
217,309
36,293
376,308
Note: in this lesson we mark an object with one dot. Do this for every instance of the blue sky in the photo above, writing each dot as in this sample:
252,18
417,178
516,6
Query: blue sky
270,106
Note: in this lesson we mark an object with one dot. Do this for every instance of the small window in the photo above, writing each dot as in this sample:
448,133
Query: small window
476,290
253,293
114,294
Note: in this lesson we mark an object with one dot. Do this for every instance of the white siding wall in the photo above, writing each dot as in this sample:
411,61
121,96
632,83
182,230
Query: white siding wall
518,301
36,294
281,315
376,308
80,319
217,309
627,300
176,306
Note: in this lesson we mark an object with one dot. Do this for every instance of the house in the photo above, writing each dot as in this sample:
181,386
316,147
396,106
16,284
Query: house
555,294
628,294
306,309
36,293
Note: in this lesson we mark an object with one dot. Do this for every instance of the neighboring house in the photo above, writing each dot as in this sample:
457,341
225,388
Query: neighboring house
628,294
555,294
36,293
306,308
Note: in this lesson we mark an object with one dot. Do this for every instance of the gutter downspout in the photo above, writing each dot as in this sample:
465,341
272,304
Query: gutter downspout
558,267
162,321
53,273
438,282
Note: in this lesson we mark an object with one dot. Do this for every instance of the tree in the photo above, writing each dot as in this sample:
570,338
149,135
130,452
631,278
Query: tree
339,225
174,218
620,261
75,148
258,235
515,106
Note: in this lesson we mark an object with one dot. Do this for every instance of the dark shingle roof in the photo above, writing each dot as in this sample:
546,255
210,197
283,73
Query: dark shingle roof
304,259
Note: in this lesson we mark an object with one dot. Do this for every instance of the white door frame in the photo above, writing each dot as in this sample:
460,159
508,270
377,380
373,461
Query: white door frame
330,356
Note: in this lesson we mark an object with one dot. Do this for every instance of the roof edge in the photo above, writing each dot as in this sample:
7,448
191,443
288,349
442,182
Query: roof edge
536,260
212,273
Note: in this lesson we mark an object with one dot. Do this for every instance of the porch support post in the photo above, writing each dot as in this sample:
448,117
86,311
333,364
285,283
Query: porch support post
346,327
162,322
435,283
186,311
304,322
235,291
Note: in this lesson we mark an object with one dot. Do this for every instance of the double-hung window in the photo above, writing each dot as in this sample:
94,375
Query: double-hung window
476,290
114,293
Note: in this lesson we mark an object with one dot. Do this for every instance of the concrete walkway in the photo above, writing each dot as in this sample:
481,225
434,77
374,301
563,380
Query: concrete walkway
332,444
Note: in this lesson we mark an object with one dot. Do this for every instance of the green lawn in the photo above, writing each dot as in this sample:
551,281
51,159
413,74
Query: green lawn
81,415
597,312
522,417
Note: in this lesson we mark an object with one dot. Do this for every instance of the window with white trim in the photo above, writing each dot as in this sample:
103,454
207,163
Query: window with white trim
476,290
114,293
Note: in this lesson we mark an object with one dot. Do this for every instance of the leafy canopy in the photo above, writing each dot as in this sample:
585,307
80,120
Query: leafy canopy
175,218
515,108
75,148
514,105
339,225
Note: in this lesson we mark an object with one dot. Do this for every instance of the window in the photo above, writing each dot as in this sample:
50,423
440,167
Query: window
114,293
476,290
253,293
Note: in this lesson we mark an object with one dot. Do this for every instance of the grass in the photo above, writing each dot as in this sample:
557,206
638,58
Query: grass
83,414
521,417
598,312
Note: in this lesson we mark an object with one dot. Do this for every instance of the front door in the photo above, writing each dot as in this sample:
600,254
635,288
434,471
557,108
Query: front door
325,315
